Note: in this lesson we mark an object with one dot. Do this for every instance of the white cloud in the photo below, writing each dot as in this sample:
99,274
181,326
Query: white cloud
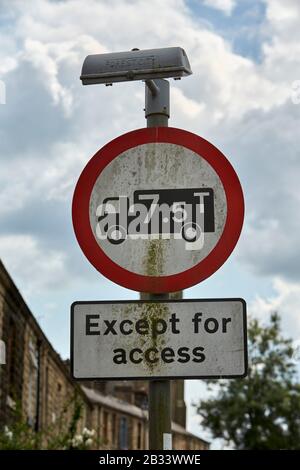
181,104
7,65
285,301
41,180
8,59
226,6
268,147
32,265
55,37
52,125
283,15
46,67
282,51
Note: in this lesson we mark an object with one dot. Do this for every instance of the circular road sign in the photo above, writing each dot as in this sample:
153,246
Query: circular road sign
158,210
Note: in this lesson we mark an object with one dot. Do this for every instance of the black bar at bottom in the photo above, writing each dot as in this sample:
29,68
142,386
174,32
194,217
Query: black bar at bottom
136,459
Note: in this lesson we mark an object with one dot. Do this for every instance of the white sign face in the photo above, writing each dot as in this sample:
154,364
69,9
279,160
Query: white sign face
158,209
168,339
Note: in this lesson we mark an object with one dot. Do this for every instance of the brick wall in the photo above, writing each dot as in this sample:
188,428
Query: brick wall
36,378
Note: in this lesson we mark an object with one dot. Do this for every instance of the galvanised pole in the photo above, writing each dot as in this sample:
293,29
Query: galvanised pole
157,112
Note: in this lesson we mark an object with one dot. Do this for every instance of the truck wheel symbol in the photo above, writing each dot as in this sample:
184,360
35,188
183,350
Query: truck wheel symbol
116,234
191,232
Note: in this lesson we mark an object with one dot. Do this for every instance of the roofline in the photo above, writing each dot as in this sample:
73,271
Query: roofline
14,291
15,294
138,413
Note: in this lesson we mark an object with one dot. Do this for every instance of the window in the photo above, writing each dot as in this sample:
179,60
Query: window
105,427
114,429
141,400
32,384
59,399
139,436
2,352
11,358
46,393
98,427
123,434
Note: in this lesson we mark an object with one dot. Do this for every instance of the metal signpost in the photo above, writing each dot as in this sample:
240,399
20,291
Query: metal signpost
157,113
156,210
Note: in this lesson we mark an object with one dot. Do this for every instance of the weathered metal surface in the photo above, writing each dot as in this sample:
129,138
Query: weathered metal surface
198,338
159,414
158,210
135,65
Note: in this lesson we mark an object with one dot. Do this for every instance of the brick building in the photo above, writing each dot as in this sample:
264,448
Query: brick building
35,377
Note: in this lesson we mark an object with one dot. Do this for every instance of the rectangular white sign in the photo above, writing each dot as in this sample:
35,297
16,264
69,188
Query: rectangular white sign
159,339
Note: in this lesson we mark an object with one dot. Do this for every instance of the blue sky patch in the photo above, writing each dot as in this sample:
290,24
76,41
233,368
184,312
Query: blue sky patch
244,28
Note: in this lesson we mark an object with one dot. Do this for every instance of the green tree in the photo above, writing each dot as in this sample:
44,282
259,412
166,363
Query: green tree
261,411
63,434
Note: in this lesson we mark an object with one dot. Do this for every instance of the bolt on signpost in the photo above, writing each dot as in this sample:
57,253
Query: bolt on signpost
156,210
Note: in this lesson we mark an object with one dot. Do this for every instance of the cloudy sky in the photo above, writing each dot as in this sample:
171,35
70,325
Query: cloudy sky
242,96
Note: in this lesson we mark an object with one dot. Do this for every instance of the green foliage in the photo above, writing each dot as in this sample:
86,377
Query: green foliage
261,411
21,436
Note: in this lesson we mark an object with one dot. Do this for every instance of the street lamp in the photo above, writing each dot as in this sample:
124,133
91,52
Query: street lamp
167,62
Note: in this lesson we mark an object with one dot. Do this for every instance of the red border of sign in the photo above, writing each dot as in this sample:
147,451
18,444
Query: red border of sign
175,282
